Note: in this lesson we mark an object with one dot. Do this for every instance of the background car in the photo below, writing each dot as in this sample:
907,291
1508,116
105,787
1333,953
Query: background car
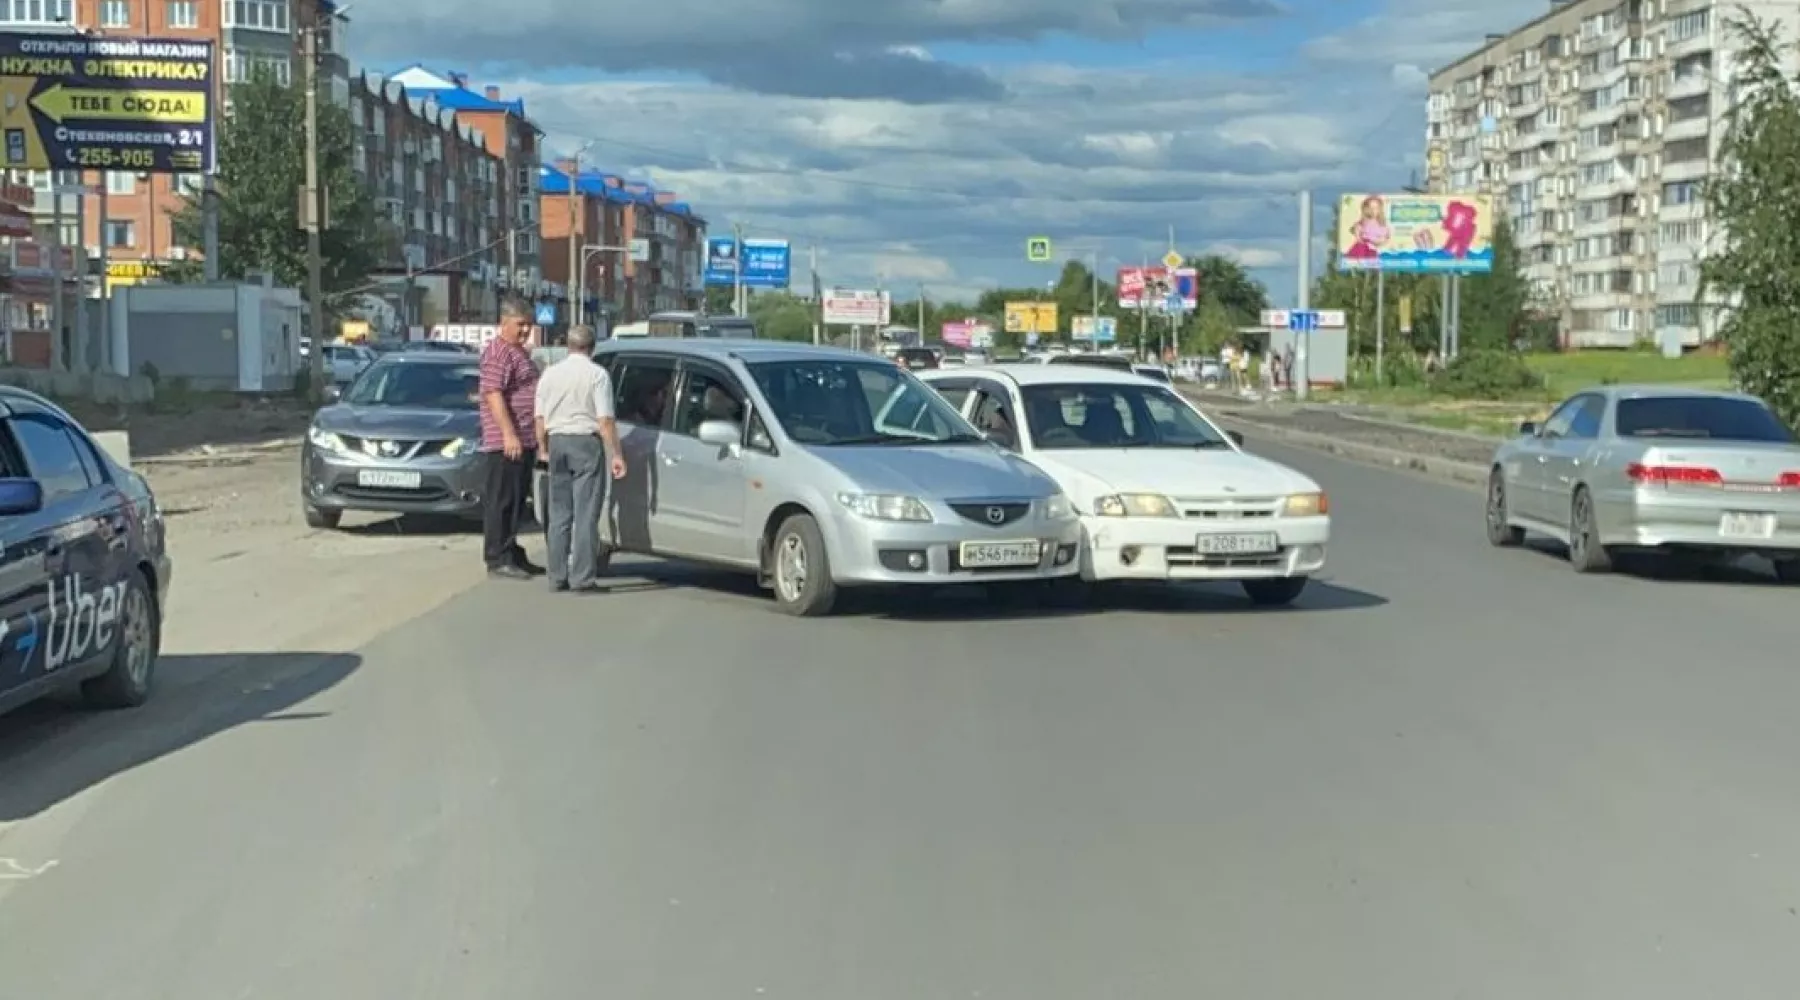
1155,373
84,565
345,362
437,347
1115,362
1162,492
1616,470
404,438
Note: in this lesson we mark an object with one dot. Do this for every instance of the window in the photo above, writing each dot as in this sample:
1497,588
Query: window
121,233
1114,416
242,67
36,11
705,396
641,390
838,403
1585,423
993,418
1717,418
955,395
51,454
1688,26
257,15
119,182
115,14
182,13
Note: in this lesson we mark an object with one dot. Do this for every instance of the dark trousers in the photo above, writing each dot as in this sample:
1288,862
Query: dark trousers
577,487
503,507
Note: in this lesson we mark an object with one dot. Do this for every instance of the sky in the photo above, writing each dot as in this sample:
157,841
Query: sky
924,142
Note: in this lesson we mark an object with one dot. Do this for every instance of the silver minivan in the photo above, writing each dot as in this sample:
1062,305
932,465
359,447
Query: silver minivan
818,468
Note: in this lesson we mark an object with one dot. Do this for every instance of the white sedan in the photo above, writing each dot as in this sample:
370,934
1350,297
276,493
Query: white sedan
1163,493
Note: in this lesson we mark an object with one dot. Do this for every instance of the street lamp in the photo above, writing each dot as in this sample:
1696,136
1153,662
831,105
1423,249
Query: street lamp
587,251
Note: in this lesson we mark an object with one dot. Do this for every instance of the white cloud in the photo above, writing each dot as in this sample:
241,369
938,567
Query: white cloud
945,190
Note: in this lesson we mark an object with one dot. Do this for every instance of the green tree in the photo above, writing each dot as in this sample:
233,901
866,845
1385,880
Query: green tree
1755,263
1496,306
1230,284
1213,325
262,157
782,316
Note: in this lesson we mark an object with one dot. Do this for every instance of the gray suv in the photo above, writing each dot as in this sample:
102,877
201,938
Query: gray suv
818,468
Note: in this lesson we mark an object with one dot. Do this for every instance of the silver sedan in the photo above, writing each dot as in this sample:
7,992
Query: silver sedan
1674,470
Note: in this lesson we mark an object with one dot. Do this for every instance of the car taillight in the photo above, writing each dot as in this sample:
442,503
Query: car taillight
1673,475
1790,480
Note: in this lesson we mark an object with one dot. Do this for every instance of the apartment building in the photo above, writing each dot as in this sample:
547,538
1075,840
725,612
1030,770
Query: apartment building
437,191
516,142
610,212
1593,128
250,34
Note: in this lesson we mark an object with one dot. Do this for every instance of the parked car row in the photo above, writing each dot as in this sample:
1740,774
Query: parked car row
818,469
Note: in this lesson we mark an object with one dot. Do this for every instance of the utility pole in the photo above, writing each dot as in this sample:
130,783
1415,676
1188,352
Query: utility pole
738,306
921,312
1302,342
576,309
818,306
313,212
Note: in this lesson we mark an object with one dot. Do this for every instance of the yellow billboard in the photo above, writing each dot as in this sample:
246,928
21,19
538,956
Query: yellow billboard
1031,317
1416,233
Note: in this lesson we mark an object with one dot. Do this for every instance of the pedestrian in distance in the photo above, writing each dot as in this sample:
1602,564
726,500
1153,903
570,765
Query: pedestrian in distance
509,383
577,432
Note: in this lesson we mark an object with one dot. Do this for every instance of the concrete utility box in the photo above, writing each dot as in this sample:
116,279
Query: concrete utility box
222,336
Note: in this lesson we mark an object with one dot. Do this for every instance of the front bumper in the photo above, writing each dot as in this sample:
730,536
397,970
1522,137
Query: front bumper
901,552
449,486
1155,548
1664,519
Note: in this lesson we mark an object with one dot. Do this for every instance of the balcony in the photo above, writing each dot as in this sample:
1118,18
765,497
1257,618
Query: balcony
1686,170
1687,128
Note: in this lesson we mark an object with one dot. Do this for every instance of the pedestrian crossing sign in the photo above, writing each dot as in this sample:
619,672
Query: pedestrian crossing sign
1037,249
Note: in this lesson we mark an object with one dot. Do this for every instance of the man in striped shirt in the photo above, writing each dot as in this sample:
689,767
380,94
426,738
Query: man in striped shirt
508,433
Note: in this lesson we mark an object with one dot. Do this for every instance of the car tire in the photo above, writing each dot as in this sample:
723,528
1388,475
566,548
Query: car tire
1586,554
800,569
326,520
1274,592
1500,534
130,676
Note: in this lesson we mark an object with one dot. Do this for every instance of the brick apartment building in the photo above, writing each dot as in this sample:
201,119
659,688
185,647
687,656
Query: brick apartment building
612,212
437,189
516,142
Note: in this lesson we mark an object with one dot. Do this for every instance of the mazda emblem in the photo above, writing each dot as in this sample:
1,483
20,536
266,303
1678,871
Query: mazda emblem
995,515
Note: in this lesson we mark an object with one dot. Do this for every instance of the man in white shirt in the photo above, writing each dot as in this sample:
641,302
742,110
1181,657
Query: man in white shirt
574,417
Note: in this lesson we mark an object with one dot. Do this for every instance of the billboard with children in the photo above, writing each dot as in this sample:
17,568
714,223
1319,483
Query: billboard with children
1416,233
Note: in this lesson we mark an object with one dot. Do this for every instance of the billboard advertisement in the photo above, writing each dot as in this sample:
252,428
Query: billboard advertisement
765,263
1031,317
1159,288
1099,329
856,307
139,105
1415,233
967,333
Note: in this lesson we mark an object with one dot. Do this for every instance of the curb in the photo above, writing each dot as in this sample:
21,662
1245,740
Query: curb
1401,425
247,453
1441,469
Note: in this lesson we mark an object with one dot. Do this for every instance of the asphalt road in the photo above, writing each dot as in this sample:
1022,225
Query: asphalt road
1453,772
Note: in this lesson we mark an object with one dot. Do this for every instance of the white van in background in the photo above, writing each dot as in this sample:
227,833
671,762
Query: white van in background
625,331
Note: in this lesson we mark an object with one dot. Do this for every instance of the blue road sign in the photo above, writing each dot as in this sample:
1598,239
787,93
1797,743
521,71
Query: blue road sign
765,263
1303,321
546,313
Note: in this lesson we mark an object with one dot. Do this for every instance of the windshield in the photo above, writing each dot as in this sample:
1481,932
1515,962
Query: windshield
918,358
832,402
426,386
1718,418
1068,417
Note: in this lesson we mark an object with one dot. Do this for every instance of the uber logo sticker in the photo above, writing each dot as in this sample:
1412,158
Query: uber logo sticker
81,620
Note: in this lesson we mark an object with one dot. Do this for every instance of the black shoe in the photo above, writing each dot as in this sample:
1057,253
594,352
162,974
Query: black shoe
591,587
508,573
530,568
558,586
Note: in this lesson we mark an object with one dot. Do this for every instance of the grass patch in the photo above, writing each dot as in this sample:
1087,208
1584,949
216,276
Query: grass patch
1570,373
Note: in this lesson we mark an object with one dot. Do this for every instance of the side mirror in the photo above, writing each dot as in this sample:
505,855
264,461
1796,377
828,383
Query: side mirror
1528,428
722,433
20,496
1237,437
334,393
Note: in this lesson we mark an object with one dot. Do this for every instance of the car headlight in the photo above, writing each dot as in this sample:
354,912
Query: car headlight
886,506
325,440
1058,508
1135,505
1307,505
460,447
